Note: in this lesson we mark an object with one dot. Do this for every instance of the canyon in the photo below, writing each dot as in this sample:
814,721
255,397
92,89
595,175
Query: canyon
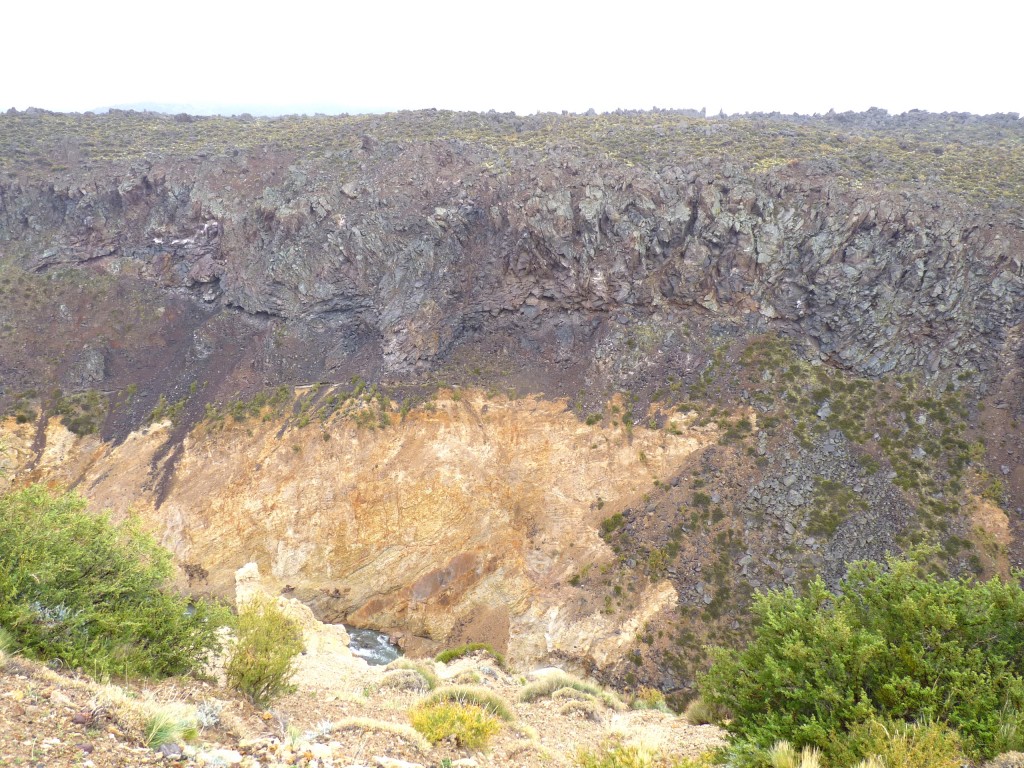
574,385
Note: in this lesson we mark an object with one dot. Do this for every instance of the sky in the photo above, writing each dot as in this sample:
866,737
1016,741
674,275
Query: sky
524,56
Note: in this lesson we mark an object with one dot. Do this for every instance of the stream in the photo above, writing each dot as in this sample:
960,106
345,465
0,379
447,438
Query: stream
372,646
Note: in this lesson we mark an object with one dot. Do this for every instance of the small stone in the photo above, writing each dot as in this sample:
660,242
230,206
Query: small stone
825,411
86,747
81,718
219,757
170,750
1004,469
394,762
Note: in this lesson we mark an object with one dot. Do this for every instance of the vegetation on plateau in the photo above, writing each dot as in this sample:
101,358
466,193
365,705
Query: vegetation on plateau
981,159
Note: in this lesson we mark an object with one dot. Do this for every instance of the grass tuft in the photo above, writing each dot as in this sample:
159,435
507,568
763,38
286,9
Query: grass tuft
458,652
486,700
170,724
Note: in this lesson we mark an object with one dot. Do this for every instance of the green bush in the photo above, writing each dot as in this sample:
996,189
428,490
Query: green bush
78,588
262,659
898,644
471,726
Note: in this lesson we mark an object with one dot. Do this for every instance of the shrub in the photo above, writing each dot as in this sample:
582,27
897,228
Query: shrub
464,650
76,587
471,726
897,644
262,659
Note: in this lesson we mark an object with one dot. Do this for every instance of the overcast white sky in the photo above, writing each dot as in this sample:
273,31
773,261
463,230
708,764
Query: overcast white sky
522,56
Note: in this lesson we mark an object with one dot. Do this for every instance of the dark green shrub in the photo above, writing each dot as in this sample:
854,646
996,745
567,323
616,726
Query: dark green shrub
613,523
898,644
76,587
262,659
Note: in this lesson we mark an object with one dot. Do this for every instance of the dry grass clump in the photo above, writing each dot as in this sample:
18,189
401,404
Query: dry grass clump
402,731
554,682
488,701
1005,760
404,680
649,698
784,755
589,710
170,724
420,669
616,753
458,652
701,712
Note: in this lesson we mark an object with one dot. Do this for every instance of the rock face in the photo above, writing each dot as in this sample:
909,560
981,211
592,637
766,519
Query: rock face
464,522
425,246
157,274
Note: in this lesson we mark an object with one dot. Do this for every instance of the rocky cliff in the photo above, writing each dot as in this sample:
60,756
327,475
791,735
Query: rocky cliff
838,299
